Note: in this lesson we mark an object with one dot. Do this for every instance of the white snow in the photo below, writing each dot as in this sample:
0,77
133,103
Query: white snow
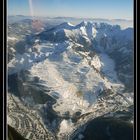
47,71
37,40
108,67
83,31
12,38
9,120
65,126
13,50
96,62
65,25
94,32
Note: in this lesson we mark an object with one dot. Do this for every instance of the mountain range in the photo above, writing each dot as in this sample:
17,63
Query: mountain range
74,66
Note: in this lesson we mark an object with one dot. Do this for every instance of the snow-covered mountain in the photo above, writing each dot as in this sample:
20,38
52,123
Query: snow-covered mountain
86,37
79,64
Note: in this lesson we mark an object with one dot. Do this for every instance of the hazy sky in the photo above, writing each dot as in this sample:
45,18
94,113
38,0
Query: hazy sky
111,9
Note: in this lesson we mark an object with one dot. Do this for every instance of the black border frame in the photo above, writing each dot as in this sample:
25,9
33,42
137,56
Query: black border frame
135,68
3,70
1,64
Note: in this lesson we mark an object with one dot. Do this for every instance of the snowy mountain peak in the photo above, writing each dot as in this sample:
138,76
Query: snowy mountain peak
65,25
85,24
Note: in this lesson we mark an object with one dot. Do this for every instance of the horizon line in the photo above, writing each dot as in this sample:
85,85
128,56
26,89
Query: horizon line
74,17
